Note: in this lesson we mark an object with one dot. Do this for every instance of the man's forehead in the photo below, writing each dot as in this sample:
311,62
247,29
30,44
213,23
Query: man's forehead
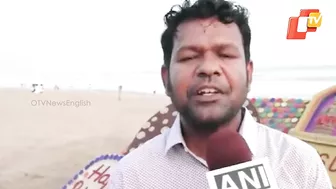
210,30
200,22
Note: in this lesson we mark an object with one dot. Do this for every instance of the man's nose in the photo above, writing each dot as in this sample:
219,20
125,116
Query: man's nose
209,67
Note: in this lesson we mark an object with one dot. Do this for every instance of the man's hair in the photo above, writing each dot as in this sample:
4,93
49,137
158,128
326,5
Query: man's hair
226,12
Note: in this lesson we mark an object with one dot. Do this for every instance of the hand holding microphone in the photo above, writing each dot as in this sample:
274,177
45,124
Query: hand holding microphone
230,163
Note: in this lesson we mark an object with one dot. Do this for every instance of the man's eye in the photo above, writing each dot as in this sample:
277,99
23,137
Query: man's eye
184,59
225,56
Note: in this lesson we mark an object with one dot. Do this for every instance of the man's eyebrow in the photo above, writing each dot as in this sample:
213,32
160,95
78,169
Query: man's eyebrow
197,48
189,47
226,46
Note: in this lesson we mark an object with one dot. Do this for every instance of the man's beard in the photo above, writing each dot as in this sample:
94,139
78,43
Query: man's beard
205,126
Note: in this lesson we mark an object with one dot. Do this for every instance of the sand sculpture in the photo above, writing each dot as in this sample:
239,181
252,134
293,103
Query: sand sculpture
95,175
317,127
312,121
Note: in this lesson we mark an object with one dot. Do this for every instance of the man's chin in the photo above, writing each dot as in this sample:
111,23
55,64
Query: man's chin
209,121
206,124
205,120
209,117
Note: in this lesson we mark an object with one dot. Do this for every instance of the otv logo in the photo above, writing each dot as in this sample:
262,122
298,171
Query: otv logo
308,21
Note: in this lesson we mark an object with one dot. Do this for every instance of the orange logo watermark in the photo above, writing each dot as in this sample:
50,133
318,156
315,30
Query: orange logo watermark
308,21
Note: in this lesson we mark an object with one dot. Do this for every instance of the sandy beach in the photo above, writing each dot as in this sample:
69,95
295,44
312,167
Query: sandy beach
42,145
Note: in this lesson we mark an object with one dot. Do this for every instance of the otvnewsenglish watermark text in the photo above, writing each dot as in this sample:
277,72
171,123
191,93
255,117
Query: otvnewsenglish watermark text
67,103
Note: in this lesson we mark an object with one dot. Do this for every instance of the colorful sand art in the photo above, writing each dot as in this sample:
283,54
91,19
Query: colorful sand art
281,114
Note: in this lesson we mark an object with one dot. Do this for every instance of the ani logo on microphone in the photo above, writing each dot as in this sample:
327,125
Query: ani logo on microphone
256,174
308,21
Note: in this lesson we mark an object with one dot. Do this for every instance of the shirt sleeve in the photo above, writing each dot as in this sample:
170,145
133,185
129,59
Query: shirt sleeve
318,175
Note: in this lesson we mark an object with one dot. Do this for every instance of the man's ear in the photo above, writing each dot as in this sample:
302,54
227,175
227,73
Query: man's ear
165,78
249,70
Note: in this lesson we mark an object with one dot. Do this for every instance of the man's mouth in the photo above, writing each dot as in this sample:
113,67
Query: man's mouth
207,91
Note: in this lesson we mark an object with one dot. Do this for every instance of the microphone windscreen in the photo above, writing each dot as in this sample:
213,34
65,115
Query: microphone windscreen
226,147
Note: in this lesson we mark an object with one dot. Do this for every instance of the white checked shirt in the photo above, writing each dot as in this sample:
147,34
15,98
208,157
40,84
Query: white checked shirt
165,162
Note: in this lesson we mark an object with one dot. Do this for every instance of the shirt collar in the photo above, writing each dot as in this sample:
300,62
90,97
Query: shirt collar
248,131
175,135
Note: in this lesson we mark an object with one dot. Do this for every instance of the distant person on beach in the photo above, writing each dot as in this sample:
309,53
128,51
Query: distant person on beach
119,92
207,73
33,89
37,88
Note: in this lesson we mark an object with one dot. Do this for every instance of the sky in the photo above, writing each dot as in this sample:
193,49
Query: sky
106,43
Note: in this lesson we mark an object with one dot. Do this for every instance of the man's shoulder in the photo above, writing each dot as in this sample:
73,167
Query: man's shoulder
141,160
150,149
286,143
295,161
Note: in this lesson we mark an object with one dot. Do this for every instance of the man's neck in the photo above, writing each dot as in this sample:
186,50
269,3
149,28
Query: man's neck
197,142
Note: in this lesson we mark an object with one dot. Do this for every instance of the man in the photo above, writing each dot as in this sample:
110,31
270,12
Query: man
119,92
207,73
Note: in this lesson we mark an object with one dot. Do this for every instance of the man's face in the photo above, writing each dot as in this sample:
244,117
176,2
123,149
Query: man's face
208,78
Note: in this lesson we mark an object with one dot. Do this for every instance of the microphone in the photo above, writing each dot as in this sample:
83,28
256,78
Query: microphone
231,166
